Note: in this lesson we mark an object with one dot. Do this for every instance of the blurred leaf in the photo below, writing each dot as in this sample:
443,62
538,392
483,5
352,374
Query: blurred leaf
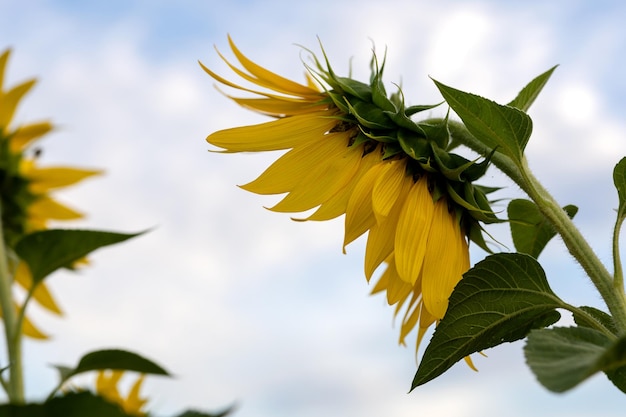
499,300
193,413
563,357
530,230
619,179
504,128
115,359
80,404
46,251
527,96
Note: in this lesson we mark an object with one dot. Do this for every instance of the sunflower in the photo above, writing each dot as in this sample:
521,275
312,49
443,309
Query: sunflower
352,150
25,188
106,386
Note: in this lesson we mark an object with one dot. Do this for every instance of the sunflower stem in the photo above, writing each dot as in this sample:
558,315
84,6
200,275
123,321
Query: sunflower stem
610,289
12,329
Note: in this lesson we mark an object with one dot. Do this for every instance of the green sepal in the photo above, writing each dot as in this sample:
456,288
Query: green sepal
504,128
437,133
530,229
411,110
529,93
45,251
368,115
415,146
391,149
392,137
563,357
501,299
379,95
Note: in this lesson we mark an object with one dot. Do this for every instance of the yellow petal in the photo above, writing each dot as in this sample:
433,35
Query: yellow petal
44,179
41,294
4,57
397,289
412,231
134,403
291,168
30,330
387,187
359,213
286,133
338,203
10,100
381,237
267,78
23,135
46,208
279,107
323,180
445,261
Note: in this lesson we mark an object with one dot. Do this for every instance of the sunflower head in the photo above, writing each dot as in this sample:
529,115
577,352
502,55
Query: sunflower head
355,150
27,204
26,201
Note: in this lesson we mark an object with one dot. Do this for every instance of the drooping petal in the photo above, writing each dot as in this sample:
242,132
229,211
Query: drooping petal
322,181
412,231
291,168
285,133
270,79
359,213
337,205
381,237
445,261
388,187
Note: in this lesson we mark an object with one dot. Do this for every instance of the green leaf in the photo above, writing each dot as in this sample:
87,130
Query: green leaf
499,300
599,316
504,128
193,413
79,404
530,229
46,251
527,96
619,179
563,357
111,359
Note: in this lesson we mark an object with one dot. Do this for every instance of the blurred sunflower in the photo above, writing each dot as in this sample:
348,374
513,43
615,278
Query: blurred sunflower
353,150
25,188
106,386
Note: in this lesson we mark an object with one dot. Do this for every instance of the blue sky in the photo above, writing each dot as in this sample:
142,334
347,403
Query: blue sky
240,303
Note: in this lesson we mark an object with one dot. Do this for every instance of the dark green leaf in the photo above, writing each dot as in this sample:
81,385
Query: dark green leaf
46,251
112,359
499,300
80,404
599,316
504,128
530,229
527,96
193,413
563,357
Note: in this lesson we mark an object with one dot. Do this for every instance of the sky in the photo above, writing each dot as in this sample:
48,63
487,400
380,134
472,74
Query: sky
244,305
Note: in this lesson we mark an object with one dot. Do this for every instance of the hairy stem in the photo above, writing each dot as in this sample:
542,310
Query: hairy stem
611,290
